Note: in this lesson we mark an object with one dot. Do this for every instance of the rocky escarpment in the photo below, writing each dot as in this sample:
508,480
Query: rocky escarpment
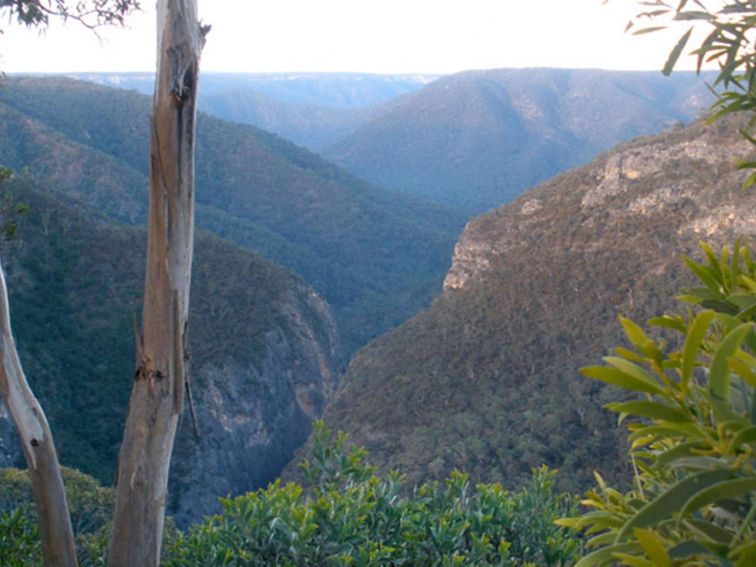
251,415
640,179
264,350
487,380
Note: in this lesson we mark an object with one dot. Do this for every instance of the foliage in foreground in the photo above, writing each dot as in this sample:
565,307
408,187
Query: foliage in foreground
350,516
693,434
91,506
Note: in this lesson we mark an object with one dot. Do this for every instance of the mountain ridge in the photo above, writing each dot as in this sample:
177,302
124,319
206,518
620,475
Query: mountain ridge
450,144
486,379
253,188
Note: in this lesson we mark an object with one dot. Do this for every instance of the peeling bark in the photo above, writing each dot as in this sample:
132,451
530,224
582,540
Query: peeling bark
157,395
58,547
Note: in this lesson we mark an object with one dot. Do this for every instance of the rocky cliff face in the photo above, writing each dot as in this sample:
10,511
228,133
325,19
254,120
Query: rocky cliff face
264,346
252,416
487,380
636,181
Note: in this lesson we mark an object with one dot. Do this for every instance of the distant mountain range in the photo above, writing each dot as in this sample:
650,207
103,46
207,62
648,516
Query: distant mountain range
329,90
478,139
313,110
487,379
376,256
472,140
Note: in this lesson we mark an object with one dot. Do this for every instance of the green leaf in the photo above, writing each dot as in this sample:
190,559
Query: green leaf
634,333
670,501
619,378
654,547
693,15
747,435
631,370
693,342
717,492
708,531
713,261
666,429
719,372
605,554
629,354
735,258
653,410
668,322
745,372
686,549
687,449
720,306
677,50
632,560
705,274
649,30
745,555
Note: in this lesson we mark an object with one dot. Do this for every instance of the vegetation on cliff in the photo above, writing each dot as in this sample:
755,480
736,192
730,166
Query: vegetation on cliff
377,257
487,379
74,306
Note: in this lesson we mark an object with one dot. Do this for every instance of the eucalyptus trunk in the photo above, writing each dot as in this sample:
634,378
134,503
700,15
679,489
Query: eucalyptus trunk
56,533
157,396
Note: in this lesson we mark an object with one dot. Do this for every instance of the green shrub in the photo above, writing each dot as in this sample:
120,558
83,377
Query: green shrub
693,433
351,516
19,540
91,506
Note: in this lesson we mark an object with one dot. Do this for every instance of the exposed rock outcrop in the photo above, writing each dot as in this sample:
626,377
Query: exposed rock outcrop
638,179
252,417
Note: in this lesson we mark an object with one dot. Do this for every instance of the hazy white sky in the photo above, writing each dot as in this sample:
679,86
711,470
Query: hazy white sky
378,36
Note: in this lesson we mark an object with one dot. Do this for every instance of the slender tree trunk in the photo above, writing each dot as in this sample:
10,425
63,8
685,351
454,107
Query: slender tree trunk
55,529
157,396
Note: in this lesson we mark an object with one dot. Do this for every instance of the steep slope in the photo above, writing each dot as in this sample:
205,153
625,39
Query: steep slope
487,379
264,349
375,256
478,139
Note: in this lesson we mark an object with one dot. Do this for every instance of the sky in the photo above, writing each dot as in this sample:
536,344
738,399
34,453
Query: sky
372,36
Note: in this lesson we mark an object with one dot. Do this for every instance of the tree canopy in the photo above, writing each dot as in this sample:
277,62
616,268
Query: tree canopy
90,13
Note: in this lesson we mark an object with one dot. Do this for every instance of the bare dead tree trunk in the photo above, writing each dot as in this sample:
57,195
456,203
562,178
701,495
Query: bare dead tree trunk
157,395
58,547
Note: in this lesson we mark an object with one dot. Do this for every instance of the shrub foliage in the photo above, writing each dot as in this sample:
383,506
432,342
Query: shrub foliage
350,516
692,434
347,516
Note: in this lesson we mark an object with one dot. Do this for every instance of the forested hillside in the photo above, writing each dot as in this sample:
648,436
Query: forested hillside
478,139
376,256
310,126
264,348
487,379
